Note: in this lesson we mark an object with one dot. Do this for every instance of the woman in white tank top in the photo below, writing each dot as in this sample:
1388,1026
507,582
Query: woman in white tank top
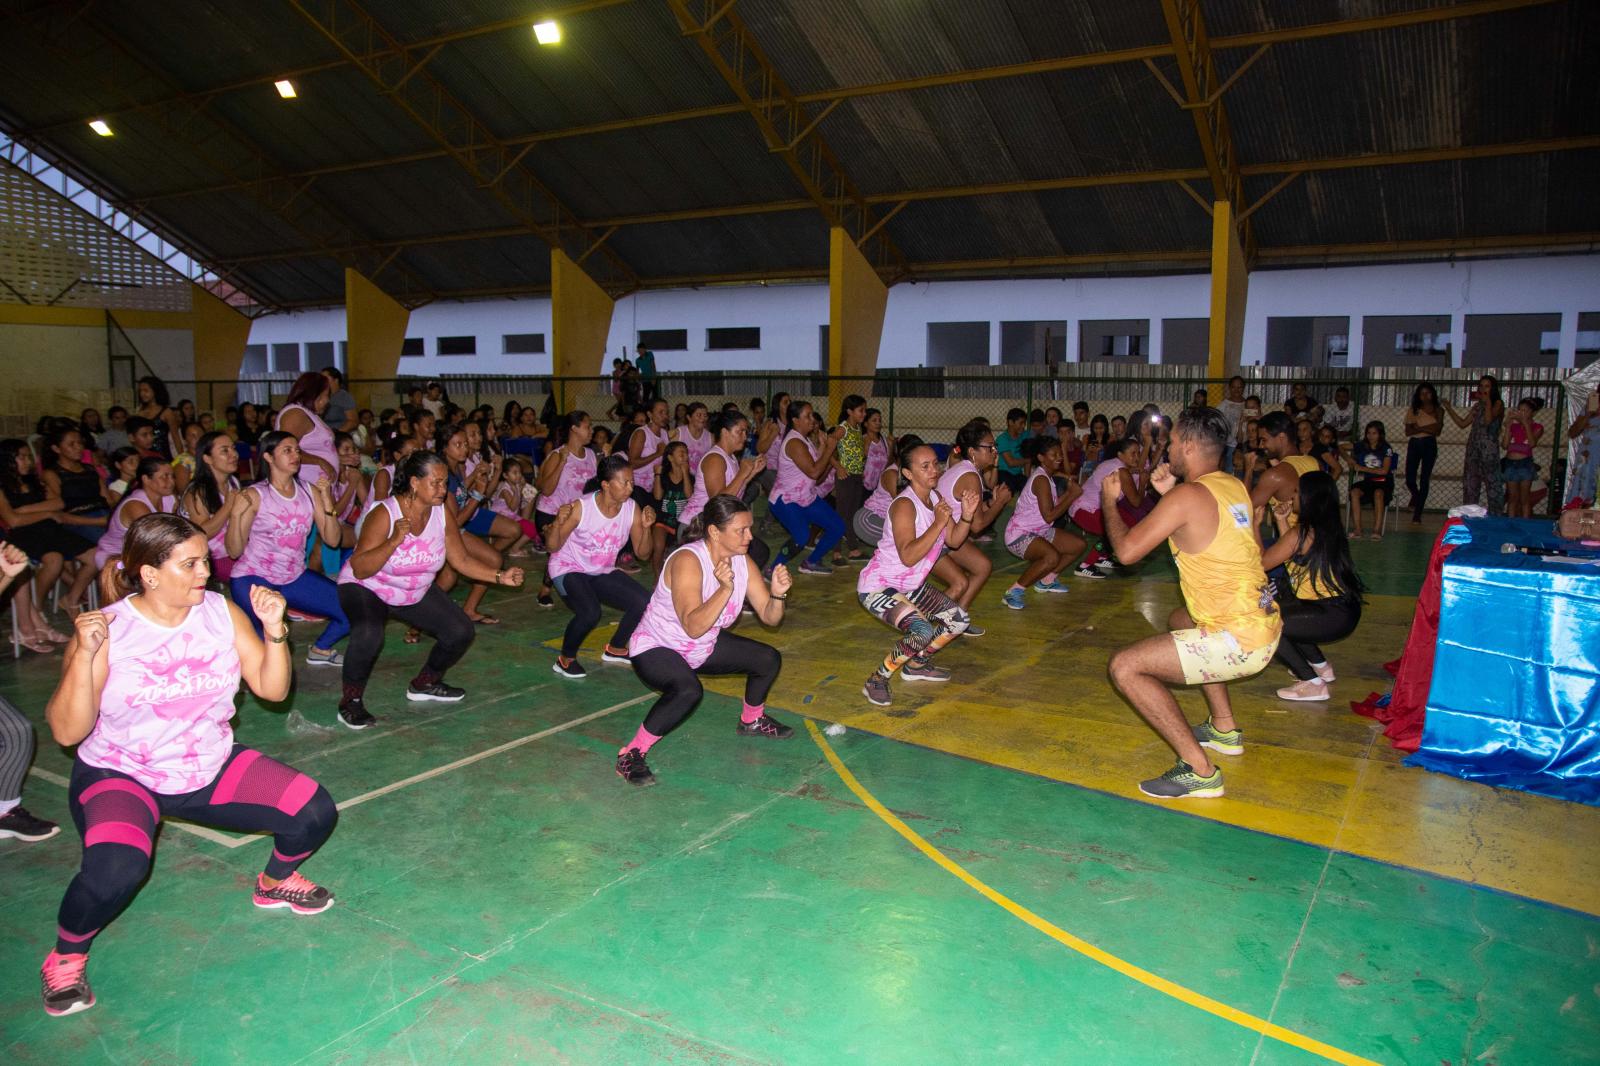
684,632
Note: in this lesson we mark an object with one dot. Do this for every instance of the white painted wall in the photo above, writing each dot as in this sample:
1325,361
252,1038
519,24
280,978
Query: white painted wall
790,315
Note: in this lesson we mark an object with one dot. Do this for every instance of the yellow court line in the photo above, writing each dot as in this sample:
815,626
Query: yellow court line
1082,947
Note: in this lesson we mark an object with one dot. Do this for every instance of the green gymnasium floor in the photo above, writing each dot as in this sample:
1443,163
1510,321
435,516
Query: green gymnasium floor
965,878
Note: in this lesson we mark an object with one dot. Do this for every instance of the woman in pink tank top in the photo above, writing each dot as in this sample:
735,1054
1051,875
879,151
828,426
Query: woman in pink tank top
684,633
772,430
268,530
1030,532
401,546
150,490
894,585
302,416
208,501
561,479
694,434
966,569
646,445
795,501
721,473
147,696
584,541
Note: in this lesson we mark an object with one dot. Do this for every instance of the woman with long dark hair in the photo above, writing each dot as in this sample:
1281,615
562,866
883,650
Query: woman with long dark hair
646,446
155,404
31,521
267,530
302,417
584,541
1424,422
208,501
68,475
405,540
146,695
1480,472
561,478
684,632
1326,601
1374,460
721,472
850,466
795,499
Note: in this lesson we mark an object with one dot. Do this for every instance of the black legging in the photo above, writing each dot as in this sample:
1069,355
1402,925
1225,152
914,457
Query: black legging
584,593
848,494
1309,622
1421,454
435,614
665,670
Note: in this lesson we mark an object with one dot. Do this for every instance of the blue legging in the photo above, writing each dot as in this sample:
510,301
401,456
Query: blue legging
310,592
799,520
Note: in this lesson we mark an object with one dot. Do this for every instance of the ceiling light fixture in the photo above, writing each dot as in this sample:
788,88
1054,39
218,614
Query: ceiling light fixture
285,89
547,32
100,127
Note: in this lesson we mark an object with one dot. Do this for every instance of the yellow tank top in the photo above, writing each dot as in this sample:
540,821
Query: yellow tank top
1224,585
1300,464
1307,587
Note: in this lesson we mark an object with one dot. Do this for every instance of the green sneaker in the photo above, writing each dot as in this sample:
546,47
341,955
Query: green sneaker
1181,782
1209,736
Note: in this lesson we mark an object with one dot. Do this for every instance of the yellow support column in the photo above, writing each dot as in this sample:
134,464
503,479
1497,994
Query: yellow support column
220,334
857,298
375,328
580,322
1230,287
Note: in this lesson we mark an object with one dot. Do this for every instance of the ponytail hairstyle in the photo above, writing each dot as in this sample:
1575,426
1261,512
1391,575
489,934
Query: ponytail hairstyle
724,421
795,407
609,467
1035,447
150,540
717,512
268,443
55,434
149,466
1532,403
848,404
204,483
569,421
416,465
902,455
969,437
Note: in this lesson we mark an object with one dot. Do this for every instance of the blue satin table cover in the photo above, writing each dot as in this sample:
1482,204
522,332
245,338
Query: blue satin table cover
1515,698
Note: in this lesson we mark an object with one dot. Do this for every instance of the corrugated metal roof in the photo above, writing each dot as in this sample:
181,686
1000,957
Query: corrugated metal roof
1483,80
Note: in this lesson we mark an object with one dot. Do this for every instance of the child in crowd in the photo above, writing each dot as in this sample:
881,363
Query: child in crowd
124,462
671,487
1375,461
1518,438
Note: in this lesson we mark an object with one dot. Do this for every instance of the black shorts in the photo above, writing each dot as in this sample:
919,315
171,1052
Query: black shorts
1365,489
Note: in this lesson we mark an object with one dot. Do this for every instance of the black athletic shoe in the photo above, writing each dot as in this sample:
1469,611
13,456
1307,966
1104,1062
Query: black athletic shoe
18,823
572,671
765,726
632,768
438,692
354,714
545,600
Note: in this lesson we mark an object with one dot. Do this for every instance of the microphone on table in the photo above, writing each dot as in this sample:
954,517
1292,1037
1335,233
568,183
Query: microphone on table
1512,549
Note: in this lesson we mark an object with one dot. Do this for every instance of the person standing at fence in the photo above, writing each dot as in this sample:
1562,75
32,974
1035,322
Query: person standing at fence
795,501
965,569
1480,472
721,472
894,585
1229,627
849,489
684,632
1323,602
1584,433
1519,437
146,694
1424,422
155,407
561,478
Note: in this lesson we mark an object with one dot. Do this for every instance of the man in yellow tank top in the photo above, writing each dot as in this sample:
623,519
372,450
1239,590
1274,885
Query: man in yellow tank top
1230,627
1282,482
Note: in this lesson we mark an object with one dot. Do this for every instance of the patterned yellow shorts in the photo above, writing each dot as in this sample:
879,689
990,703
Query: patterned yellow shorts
1209,655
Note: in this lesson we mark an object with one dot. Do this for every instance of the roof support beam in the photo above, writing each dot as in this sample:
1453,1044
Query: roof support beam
1197,74
1014,70
1183,177
496,166
789,130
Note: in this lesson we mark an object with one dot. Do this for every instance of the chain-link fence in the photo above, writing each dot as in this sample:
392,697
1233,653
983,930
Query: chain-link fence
931,402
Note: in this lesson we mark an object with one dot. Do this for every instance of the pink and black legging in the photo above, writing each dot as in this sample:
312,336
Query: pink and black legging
117,818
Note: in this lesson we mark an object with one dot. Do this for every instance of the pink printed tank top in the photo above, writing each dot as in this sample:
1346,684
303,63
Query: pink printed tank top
698,446
660,627
878,502
219,542
591,548
276,550
700,496
569,486
1026,519
948,479
168,697
116,533
877,461
405,577
644,476
318,442
792,484
886,570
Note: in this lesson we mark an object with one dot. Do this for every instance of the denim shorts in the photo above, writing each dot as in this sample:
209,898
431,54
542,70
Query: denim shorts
1518,469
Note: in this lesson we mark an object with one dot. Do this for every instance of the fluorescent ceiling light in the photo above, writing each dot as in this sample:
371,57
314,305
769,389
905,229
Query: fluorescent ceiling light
100,127
547,33
285,88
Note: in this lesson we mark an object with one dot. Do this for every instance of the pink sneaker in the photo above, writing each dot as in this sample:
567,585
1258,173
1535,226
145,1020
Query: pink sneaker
1305,691
66,985
294,892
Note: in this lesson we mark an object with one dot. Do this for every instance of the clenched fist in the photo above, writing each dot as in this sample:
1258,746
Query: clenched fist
91,630
268,605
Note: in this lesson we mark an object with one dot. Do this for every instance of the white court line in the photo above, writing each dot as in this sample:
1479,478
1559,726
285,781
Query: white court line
229,840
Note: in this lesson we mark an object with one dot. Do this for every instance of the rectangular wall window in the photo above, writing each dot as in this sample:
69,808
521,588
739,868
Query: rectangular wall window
1318,342
522,343
1185,341
1114,340
664,340
319,354
412,346
1406,340
733,339
1511,340
456,345
958,344
286,358
1033,343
